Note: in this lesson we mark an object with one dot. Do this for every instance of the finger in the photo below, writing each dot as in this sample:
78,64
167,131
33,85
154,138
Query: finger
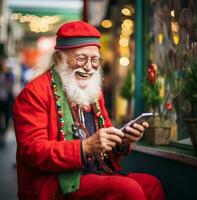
107,145
145,124
132,138
115,131
111,144
113,138
138,127
108,148
133,131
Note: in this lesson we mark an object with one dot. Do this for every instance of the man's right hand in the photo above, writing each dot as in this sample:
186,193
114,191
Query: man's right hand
103,140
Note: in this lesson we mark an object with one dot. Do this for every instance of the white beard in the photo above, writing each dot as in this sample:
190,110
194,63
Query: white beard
82,96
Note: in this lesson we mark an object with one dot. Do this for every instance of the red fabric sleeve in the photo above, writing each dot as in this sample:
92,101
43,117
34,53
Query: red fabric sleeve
36,144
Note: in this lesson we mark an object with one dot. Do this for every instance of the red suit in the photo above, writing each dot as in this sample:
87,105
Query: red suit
40,156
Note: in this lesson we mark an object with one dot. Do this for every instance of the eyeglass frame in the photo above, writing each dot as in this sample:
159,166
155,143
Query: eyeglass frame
86,59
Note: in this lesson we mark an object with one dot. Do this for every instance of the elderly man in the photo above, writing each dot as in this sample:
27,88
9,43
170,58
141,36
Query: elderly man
66,145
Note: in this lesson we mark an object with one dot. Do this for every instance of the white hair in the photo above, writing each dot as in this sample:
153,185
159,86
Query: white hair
43,65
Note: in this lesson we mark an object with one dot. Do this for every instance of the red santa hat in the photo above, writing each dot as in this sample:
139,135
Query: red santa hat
77,34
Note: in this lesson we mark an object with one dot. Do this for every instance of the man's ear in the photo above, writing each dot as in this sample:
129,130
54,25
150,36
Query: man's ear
57,57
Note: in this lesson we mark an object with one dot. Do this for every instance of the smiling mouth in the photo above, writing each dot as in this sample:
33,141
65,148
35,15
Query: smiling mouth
83,75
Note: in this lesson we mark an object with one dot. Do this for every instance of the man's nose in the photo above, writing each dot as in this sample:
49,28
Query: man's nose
88,65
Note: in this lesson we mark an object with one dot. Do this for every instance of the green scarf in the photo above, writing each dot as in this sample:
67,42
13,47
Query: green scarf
69,180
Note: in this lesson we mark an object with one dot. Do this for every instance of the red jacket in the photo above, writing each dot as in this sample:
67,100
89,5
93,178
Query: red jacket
40,156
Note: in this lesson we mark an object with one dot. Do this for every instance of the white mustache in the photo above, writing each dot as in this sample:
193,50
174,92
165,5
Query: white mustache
83,71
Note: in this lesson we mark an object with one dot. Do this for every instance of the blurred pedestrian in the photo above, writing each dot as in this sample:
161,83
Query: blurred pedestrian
6,95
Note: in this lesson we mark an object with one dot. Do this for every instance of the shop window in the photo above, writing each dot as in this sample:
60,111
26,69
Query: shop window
172,46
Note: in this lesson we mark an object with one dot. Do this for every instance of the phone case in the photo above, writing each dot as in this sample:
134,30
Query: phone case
140,119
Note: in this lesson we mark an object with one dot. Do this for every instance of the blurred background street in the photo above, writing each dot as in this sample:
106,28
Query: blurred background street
8,182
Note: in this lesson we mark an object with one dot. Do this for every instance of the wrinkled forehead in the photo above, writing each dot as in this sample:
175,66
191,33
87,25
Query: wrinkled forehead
87,50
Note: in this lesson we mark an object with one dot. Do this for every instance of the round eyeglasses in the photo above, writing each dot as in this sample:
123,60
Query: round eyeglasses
81,60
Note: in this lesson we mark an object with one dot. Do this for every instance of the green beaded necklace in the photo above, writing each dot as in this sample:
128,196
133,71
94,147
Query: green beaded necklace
60,101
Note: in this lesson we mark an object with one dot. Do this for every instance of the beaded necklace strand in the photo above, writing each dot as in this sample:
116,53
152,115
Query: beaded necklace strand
59,108
99,119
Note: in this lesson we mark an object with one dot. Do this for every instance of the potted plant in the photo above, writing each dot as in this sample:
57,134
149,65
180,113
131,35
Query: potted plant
153,93
190,93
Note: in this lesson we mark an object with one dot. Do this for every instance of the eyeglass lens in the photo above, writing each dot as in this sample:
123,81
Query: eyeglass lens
95,61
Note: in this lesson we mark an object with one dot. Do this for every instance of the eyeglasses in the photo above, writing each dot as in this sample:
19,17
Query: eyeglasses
81,60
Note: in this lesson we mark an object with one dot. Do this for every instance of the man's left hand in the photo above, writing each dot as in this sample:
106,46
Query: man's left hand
134,133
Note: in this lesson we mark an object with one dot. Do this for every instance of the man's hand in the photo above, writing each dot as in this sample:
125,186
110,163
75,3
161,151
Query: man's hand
134,133
103,140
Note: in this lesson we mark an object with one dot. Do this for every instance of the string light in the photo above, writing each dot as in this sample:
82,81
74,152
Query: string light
172,13
126,12
175,37
106,23
37,24
175,32
160,38
123,42
124,61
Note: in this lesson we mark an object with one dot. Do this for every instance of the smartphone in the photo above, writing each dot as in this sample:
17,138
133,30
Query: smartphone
139,120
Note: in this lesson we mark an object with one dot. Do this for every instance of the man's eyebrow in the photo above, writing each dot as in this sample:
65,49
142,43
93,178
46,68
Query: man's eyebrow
81,54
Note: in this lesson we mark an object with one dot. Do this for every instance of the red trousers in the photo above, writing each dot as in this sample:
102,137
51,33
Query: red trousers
135,186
